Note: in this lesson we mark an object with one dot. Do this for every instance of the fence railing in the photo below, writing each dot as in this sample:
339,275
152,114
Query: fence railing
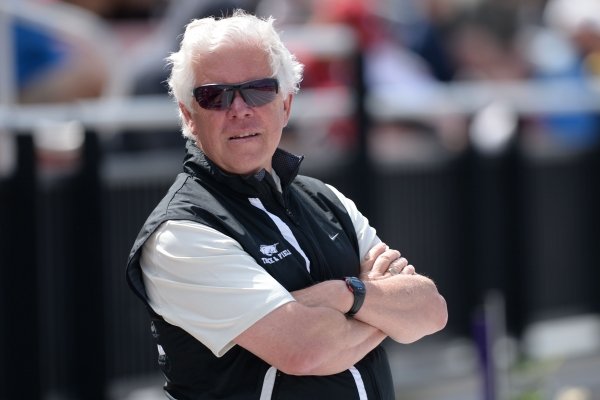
524,98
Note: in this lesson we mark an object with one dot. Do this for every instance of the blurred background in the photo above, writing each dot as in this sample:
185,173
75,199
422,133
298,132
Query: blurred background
467,131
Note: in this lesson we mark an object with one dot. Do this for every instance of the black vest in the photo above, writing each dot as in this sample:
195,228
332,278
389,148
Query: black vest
314,215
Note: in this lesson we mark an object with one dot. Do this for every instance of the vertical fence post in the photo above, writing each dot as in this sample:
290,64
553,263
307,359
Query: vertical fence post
88,367
594,233
362,186
494,230
21,375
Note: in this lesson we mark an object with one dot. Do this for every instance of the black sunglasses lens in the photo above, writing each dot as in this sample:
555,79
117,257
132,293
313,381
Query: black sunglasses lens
213,97
259,93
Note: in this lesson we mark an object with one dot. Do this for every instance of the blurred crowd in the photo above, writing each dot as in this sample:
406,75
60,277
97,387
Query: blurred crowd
407,46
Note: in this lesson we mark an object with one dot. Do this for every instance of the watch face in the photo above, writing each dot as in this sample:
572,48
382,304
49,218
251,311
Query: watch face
360,287
357,284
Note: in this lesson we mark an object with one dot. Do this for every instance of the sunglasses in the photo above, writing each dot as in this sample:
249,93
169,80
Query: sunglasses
216,96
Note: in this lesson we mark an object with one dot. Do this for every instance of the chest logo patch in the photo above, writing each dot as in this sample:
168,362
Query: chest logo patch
268,249
272,254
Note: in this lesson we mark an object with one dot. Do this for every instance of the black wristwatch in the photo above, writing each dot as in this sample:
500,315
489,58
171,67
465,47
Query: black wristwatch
358,289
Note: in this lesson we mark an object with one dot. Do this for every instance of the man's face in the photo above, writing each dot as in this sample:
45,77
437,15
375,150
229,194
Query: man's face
241,139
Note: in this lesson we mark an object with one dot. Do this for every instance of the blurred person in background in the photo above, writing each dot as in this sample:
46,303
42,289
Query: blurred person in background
262,283
579,21
54,66
394,71
498,42
482,44
426,32
58,53
568,48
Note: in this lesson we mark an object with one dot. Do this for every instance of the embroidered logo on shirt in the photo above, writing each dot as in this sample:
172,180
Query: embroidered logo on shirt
272,254
268,249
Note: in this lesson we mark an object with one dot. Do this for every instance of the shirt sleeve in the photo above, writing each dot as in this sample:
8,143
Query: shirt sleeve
366,234
201,280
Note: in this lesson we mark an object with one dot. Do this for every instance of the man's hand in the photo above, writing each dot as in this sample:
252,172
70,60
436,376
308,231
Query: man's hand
382,262
401,303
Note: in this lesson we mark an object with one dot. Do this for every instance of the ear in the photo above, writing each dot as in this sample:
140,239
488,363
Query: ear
287,108
187,116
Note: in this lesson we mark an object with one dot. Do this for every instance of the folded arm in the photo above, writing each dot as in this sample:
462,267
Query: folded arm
302,339
403,304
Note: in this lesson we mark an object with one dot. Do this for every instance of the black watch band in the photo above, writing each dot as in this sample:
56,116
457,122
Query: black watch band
358,289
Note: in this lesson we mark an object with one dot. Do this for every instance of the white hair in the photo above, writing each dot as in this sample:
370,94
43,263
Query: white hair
241,27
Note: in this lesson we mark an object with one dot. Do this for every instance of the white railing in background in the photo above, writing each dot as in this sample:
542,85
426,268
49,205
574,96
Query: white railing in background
525,98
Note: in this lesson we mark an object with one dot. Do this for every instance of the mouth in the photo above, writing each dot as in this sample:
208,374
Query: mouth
244,136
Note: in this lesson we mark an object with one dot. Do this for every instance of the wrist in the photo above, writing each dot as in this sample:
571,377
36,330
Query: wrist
340,298
359,291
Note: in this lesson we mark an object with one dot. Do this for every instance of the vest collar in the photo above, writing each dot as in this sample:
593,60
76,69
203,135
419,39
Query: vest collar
285,164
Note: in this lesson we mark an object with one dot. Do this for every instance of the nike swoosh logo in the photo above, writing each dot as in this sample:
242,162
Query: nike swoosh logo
332,237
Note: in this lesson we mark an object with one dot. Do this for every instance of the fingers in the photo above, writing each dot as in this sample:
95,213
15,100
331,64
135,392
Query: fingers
397,266
403,270
409,270
367,265
375,252
383,262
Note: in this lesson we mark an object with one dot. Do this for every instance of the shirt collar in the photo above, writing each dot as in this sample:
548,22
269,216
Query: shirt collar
285,168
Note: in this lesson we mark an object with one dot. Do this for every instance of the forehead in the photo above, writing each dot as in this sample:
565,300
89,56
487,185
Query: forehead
228,63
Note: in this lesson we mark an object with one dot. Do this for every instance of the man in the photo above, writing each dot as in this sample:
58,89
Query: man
250,271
